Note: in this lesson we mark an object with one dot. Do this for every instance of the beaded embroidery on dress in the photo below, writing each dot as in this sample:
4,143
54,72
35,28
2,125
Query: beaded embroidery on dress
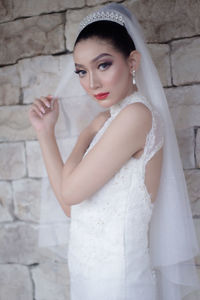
108,254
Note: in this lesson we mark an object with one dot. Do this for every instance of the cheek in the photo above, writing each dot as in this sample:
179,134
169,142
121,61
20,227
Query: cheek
84,83
117,75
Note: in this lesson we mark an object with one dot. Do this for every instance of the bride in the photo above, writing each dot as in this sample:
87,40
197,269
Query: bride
123,184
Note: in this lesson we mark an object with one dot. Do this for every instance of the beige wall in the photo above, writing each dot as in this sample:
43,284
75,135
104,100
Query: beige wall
31,32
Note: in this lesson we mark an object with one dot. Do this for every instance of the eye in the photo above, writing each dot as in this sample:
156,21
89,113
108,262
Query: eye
104,65
81,73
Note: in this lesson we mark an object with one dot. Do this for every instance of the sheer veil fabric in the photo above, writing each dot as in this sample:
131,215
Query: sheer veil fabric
172,236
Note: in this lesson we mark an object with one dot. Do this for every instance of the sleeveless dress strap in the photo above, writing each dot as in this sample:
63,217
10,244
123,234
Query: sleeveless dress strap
155,137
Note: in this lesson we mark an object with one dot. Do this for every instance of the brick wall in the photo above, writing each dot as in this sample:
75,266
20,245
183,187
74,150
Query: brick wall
36,37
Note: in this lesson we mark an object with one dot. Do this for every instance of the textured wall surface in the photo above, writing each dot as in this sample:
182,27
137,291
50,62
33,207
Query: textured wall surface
36,38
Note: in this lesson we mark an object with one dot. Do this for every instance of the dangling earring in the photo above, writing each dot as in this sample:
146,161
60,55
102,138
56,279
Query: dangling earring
134,81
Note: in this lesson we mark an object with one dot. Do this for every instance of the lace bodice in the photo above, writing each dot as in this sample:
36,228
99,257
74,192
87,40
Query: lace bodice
109,231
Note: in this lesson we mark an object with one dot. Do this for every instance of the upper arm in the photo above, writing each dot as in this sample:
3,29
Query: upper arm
125,135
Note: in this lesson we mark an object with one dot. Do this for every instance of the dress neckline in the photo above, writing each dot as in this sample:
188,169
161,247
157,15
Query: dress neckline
115,108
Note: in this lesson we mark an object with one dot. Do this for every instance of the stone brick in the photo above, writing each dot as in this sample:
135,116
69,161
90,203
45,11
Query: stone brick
35,163
15,124
45,75
166,20
5,10
12,163
73,18
195,294
197,229
187,95
51,281
160,56
5,202
30,8
35,202
27,194
39,76
185,116
31,196
31,36
197,149
97,2
193,179
9,86
15,283
186,142
19,244
186,61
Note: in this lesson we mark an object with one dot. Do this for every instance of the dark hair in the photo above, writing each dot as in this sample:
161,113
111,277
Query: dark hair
113,32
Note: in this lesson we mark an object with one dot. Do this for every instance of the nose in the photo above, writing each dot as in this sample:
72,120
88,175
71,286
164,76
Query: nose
94,81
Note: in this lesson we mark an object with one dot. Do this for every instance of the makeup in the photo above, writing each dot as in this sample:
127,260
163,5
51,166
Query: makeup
101,96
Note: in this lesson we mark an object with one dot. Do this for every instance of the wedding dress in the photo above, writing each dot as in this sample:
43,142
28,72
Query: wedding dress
108,254
122,246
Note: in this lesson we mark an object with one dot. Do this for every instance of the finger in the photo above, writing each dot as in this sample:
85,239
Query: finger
54,103
46,101
50,97
36,109
37,112
40,104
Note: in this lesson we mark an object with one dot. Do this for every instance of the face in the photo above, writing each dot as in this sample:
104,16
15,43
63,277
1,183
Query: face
104,72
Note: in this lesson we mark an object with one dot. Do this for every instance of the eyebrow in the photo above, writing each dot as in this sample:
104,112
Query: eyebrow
95,59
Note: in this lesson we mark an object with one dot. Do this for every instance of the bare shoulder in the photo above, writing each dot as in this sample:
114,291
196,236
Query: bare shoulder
137,108
137,115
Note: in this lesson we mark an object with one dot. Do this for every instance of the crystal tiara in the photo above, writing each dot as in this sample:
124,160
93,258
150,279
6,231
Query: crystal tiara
100,16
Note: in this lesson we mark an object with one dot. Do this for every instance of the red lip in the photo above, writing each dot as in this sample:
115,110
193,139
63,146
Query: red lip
102,96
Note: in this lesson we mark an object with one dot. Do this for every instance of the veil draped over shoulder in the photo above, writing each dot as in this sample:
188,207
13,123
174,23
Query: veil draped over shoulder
173,241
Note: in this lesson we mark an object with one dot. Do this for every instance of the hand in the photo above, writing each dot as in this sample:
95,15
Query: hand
99,121
43,113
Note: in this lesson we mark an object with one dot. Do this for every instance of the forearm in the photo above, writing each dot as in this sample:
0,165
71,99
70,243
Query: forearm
77,153
58,172
74,159
54,164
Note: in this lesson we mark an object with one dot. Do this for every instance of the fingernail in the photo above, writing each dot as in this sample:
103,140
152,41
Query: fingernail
42,109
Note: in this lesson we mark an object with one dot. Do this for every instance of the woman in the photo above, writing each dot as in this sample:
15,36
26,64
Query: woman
122,174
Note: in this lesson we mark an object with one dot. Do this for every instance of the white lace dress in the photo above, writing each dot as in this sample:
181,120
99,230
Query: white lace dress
108,254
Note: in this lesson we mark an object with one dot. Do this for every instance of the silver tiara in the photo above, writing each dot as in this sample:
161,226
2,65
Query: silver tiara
100,16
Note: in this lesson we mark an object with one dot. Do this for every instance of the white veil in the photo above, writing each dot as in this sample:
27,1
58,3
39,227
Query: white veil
173,241
76,110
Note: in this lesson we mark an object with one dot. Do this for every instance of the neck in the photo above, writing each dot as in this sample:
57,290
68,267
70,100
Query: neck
132,89
129,93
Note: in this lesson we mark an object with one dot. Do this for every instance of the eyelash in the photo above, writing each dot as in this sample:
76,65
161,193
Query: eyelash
79,71
105,64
